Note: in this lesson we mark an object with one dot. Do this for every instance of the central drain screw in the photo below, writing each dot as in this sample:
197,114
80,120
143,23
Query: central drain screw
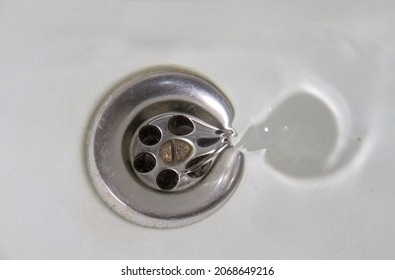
175,151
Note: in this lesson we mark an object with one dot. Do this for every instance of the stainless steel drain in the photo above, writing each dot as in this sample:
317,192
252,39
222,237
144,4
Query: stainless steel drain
173,152
159,148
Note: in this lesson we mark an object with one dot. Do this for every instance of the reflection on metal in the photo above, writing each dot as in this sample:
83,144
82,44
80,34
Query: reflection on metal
159,148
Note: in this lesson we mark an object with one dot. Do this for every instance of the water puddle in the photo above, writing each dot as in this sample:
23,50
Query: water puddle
301,138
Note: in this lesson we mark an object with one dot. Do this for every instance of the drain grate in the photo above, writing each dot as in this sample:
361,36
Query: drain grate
179,143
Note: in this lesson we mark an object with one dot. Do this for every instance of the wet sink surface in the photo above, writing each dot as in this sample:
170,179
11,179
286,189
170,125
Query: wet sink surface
313,92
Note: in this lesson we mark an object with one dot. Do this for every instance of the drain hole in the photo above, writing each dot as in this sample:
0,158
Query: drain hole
206,142
197,170
144,162
150,135
180,125
167,179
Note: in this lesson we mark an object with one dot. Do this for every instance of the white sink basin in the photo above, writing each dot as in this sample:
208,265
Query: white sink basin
312,85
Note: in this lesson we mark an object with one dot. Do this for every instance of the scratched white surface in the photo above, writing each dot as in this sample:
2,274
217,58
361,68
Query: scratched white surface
59,58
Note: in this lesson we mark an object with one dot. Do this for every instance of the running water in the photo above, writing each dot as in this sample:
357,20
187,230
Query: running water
300,138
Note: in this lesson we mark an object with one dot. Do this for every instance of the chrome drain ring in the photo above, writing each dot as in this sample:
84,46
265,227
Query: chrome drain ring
159,150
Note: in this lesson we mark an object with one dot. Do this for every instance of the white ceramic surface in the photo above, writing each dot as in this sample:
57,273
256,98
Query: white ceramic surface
312,83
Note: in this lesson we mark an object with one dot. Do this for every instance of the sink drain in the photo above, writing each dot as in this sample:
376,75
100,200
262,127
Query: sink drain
159,148
172,152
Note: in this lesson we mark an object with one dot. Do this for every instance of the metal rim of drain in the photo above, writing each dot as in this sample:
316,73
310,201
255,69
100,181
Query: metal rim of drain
159,150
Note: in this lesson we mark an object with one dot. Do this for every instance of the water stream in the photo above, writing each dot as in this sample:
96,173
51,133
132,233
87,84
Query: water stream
301,138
